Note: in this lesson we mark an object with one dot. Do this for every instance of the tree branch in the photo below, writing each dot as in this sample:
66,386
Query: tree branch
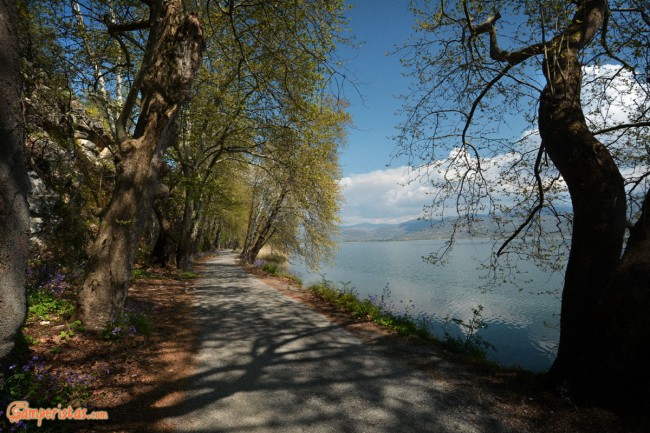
536,209
622,126
603,42
132,97
126,27
496,53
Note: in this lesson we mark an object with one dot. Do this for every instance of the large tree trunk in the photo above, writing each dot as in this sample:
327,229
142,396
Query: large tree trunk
164,252
598,197
250,253
187,244
14,189
625,323
176,41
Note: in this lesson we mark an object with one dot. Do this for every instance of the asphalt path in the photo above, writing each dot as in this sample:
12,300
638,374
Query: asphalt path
267,363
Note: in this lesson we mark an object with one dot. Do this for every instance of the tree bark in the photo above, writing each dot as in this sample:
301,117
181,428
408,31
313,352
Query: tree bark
625,323
14,189
164,252
174,48
186,244
599,203
217,238
604,325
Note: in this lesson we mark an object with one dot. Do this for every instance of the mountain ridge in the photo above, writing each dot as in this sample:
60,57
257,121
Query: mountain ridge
418,229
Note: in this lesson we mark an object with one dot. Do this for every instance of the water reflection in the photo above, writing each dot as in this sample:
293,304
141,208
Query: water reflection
521,323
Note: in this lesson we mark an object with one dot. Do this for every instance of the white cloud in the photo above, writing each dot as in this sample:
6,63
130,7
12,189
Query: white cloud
611,95
398,194
382,196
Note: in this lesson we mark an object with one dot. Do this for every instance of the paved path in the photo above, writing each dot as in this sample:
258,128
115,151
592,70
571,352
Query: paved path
267,363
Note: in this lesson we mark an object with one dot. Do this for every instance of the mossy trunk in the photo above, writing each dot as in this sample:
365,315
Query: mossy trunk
176,44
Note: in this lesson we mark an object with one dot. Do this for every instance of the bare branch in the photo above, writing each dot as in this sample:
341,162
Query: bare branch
622,126
603,42
536,209
132,97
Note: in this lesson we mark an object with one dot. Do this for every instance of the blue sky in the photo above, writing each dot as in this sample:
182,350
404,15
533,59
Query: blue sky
372,181
379,26
376,188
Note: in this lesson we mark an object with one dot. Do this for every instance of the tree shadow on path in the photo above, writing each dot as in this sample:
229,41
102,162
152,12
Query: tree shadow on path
267,363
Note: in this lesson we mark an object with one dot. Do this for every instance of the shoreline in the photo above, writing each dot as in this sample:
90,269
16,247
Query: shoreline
531,403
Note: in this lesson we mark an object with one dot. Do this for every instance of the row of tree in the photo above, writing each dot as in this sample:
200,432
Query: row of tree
215,116
155,129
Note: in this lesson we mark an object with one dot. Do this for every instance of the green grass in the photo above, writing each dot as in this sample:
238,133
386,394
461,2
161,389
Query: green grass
271,268
471,346
138,273
189,275
348,300
43,305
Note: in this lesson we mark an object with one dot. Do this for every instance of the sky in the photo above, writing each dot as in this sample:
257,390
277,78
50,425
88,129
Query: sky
371,180
379,26
377,188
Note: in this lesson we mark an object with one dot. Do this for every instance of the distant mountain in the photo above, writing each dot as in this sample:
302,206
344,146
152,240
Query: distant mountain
407,230
482,226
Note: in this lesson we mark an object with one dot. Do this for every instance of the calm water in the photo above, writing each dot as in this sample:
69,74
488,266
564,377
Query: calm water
522,324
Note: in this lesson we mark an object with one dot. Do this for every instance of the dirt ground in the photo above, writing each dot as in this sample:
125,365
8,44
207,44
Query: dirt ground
134,378
139,378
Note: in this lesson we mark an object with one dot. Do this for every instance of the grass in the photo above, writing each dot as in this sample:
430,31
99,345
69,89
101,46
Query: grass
347,299
189,275
277,265
380,311
46,306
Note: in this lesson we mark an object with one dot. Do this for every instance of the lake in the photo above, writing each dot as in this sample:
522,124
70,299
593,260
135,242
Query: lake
523,324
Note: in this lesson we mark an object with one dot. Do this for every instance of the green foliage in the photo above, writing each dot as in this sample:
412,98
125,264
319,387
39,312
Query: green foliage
189,275
294,280
347,298
296,194
139,273
31,381
69,332
45,306
29,340
271,268
130,322
49,292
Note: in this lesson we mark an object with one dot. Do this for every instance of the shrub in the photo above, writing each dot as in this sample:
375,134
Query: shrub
271,268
